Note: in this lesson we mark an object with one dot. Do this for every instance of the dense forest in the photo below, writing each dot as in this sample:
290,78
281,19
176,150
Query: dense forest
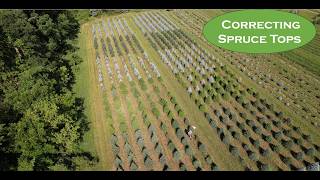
42,122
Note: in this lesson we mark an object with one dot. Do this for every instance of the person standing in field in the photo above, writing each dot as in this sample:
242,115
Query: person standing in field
191,129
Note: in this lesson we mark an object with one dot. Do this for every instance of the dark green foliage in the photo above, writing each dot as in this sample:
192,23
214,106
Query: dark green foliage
298,155
309,151
174,123
256,143
234,150
155,112
148,162
173,100
253,156
202,107
235,135
133,166
195,163
264,152
158,148
182,167
181,113
277,135
176,154
246,133
275,148
277,123
188,150
287,144
267,138
162,158
257,130
267,126
163,128
286,160
179,133
170,145
264,167
201,147
142,85
184,141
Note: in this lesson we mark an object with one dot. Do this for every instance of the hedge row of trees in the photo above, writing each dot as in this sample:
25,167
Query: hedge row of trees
42,121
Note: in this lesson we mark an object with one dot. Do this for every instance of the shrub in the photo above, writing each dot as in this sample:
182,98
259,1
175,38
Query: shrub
166,109
253,156
140,142
174,123
142,84
177,107
171,146
188,150
300,141
279,114
224,138
235,135
123,127
257,130
297,129
148,162
243,115
201,147
158,148
162,159
179,133
184,141
118,161
181,113
155,112
298,155
267,138
241,125
256,143
154,138
170,114
267,126
275,148
286,160
309,151
133,166
250,123
176,155
234,150
127,147
182,167
163,102
264,167
202,108
164,128
277,123
173,100
115,149
226,96
287,144
195,162
214,167
246,133
306,137
213,124
166,167
264,152
277,135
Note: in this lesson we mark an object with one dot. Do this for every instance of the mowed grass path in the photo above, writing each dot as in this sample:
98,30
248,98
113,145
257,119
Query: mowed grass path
87,87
